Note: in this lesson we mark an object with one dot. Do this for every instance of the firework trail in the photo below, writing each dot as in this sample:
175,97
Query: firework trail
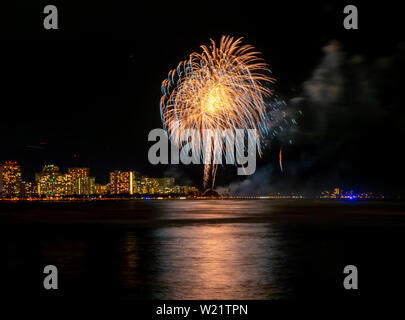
280,156
223,88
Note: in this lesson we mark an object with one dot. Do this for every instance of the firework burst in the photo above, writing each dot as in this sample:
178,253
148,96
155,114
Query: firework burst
223,87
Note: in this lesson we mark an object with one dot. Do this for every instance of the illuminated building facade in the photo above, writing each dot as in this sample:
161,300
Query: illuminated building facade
113,185
79,173
146,185
30,189
10,179
162,186
101,189
85,186
51,183
47,180
129,182
123,182
75,174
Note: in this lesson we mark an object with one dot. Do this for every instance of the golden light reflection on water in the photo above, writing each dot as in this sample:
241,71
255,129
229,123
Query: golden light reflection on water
217,261
208,209
129,255
184,250
197,249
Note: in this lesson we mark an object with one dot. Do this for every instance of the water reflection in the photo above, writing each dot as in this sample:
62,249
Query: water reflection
220,261
128,261
198,249
218,209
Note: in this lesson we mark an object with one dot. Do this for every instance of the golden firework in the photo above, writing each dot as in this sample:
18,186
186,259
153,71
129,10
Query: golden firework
223,88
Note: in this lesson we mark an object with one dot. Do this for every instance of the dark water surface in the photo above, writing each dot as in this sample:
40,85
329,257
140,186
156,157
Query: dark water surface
211,249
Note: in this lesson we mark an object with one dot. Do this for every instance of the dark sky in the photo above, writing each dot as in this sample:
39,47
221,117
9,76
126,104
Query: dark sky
88,93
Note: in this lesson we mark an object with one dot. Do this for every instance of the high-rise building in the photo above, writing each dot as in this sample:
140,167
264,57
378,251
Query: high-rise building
147,185
123,182
101,189
113,185
51,183
79,172
29,189
85,186
75,174
10,179
46,180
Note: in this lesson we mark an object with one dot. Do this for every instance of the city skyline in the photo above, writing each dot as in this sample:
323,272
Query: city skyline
51,182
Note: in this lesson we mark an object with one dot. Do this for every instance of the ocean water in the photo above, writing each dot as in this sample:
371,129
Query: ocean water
203,249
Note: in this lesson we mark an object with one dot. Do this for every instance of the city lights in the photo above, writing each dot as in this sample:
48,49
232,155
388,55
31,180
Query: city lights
10,179
338,193
52,183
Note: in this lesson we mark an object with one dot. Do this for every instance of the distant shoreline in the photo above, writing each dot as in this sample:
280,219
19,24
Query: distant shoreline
203,198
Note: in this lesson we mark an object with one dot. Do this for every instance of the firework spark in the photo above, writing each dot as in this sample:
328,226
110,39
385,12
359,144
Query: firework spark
221,88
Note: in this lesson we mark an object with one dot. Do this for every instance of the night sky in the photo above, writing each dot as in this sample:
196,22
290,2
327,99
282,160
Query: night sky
88,94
